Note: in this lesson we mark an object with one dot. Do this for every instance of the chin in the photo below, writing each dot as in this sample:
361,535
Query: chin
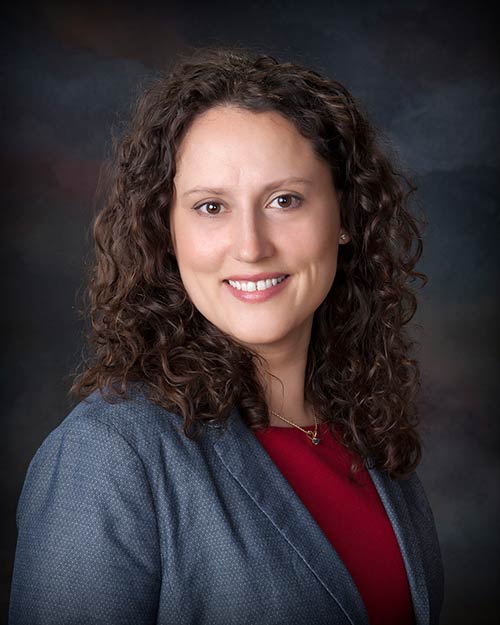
256,337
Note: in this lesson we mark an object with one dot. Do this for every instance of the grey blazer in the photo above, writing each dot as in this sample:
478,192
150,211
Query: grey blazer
124,520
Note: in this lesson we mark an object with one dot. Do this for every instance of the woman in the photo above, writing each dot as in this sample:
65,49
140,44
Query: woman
246,443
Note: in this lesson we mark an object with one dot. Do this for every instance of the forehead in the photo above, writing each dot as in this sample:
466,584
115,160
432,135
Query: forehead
227,140
226,119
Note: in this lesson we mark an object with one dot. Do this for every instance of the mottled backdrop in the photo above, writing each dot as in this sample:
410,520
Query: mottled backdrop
426,73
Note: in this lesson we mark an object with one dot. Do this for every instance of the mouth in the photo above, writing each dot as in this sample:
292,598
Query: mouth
250,286
257,292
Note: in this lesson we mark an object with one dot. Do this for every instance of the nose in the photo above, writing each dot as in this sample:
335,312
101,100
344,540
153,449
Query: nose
252,236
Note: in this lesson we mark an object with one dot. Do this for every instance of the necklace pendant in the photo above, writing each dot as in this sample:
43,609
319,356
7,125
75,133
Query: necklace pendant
314,439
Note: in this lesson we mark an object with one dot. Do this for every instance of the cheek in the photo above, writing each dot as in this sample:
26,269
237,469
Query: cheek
316,256
198,249
315,246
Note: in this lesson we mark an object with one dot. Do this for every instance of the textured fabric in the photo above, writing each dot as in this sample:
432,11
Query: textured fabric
124,520
351,515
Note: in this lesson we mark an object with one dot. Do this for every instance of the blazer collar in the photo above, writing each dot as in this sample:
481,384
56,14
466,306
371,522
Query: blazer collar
252,467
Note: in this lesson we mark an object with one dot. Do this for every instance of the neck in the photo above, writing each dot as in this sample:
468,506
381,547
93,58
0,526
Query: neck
284,382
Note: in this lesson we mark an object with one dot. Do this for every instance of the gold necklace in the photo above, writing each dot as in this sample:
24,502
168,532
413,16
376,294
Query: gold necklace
312,435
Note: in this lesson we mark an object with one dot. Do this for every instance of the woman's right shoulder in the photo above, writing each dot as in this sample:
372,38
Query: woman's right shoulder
102,425
87,512
110,440
135,418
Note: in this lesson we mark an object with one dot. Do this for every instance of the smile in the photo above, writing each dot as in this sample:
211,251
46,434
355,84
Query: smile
256,292
260,285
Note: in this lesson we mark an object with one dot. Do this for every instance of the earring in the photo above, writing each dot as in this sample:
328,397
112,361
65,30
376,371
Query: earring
343,237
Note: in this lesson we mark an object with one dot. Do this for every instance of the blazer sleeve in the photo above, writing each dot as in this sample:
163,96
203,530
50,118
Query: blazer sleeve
426,530
88,548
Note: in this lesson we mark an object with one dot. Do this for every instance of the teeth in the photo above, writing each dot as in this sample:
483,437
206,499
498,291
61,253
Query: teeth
261,285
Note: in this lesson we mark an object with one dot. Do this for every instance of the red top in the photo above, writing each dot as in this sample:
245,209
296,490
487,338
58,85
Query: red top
350,515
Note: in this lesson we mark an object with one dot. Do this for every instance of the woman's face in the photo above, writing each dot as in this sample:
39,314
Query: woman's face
251,203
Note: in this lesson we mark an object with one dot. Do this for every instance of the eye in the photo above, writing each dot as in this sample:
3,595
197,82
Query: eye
210,211
288,197
213,208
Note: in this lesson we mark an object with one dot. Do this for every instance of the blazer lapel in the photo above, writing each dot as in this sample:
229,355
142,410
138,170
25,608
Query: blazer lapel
395,505
251,466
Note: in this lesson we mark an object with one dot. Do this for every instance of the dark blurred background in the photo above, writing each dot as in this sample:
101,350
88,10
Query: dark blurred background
426,72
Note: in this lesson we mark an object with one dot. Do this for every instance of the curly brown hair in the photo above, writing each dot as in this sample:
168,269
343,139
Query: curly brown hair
143,325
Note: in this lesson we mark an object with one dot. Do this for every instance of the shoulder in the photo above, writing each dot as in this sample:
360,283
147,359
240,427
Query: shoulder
127,415
102,458
134,422
105,443
131,438
87,513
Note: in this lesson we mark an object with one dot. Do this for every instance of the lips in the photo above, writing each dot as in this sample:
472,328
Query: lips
257,295
260,285
256,277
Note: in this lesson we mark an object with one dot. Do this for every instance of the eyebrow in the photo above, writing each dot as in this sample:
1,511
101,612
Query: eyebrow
271,185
